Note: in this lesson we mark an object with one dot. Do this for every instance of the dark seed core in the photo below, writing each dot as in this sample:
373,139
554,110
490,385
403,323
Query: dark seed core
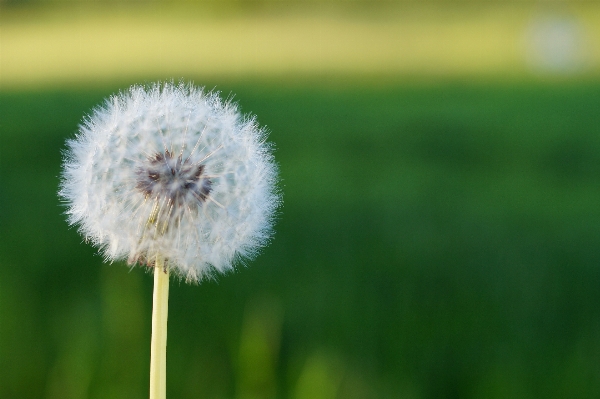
170,177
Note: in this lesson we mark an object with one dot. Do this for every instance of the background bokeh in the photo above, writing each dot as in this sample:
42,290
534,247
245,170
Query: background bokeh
440,234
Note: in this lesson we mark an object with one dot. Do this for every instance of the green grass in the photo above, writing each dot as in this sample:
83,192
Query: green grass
436,241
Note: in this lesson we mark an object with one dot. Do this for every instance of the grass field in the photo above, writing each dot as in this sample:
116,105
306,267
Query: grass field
436,241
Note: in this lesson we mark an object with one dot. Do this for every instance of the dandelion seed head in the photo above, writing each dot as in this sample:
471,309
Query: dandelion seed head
171,171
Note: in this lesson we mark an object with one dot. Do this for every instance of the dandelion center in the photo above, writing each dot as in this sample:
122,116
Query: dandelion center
169,177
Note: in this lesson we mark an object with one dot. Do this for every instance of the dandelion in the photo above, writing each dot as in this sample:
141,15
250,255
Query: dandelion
173,178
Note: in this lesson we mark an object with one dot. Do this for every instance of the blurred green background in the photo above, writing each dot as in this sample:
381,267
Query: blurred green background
440,234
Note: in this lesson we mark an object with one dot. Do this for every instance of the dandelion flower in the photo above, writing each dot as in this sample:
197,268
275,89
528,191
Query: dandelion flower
175,172
174,178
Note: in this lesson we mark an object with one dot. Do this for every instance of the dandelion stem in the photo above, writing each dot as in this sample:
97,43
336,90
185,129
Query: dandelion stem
158,346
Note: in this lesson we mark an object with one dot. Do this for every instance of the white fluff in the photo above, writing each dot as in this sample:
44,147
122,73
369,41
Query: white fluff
175,172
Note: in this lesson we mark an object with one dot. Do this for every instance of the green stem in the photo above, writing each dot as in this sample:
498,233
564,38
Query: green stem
158,346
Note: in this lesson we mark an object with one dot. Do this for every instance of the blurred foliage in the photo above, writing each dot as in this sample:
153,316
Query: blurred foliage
262,3
438,240
67,44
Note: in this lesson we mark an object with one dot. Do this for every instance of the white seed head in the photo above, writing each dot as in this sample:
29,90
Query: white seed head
174,172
